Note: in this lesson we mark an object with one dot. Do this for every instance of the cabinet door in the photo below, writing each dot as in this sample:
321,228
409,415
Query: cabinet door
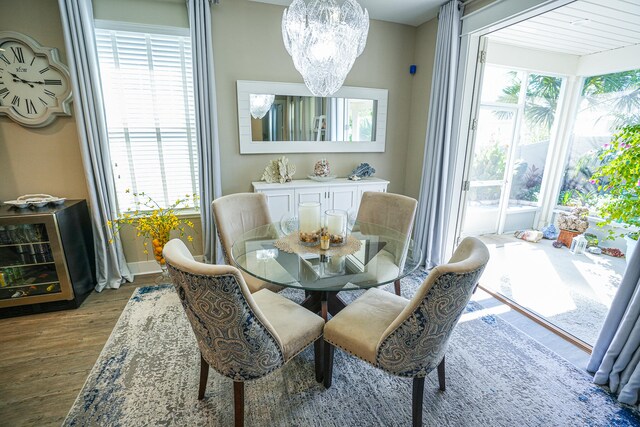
281,203
311,194
32,267
381,188
343,197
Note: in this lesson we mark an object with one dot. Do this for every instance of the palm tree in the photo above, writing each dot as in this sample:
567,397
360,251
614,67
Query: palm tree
541,98
618,92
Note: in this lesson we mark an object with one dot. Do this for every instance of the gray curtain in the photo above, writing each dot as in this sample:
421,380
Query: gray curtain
77,23
616,356
434,204
206,122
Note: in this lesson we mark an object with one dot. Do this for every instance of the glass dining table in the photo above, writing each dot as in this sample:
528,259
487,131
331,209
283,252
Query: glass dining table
371,256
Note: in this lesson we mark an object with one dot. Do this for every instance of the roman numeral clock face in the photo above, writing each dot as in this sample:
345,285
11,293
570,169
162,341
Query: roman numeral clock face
34,84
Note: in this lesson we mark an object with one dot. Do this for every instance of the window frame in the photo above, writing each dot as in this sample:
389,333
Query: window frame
108,25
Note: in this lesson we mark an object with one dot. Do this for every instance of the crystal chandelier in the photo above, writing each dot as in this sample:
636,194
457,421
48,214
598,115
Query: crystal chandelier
324,40
259,105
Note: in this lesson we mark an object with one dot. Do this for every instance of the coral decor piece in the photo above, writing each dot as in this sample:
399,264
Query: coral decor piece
361,171
574,220
278,170
322,168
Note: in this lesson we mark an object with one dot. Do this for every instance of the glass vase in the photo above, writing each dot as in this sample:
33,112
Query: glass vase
309,223
337,226
158,245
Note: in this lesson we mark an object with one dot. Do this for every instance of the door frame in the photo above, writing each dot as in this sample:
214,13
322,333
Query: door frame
495,16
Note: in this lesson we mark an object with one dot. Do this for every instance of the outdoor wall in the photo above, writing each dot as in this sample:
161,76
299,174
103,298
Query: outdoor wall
531,59
255,51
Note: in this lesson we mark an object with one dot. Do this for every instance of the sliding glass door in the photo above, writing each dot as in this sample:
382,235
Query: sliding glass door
513,132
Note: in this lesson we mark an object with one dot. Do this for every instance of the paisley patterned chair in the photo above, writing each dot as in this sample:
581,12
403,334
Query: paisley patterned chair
242,336
393,212
404,337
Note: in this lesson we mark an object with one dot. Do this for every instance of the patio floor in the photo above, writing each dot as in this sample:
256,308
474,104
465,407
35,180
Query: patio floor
574,292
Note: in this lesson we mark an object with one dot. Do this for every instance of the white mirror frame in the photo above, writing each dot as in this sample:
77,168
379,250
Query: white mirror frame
248,146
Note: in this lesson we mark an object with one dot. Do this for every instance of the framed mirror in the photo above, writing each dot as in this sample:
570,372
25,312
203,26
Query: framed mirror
275,117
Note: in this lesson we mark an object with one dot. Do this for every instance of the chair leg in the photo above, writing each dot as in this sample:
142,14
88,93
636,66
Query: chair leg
238,403
204,375
441,375
416,406
317,358
328,364
396,285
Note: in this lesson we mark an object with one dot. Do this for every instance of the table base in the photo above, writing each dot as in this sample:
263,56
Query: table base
323,302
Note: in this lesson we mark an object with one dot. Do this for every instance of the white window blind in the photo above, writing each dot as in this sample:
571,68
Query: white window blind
147,84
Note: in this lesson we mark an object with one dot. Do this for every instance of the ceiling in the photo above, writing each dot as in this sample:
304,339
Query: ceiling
409,12
580,28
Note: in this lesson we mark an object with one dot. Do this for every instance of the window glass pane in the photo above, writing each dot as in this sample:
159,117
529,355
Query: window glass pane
540,105
500,85
148,93
608,102
493,138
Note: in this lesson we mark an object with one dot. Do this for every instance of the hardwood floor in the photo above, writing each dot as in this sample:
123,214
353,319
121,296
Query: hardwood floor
45,358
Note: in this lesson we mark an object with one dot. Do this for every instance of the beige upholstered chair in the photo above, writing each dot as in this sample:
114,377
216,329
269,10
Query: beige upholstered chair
236,214
242,336
394,212
404,337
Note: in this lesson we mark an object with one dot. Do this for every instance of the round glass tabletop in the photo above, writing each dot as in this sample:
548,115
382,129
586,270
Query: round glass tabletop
373,256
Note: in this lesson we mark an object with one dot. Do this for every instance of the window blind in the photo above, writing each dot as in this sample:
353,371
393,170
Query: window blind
147,84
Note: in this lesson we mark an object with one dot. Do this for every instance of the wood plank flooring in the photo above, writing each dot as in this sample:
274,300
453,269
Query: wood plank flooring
45,358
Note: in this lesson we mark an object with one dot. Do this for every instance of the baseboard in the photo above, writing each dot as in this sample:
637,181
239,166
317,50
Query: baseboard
150,267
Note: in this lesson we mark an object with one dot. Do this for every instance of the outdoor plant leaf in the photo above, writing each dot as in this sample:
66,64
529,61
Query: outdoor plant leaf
619,176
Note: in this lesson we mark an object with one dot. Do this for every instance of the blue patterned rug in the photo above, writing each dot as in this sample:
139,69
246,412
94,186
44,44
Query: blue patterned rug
148,372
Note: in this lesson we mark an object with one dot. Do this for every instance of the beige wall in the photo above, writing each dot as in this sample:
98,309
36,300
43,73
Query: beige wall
44,160
248,46
150,12
421,89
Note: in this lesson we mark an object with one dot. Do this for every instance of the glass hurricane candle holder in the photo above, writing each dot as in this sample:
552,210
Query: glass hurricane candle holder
337,226
309,223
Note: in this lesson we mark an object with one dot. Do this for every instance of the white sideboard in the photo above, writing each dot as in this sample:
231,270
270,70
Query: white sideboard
339,193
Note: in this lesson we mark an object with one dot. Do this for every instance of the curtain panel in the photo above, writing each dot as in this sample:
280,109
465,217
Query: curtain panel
206,123
616,356
77,24
434,203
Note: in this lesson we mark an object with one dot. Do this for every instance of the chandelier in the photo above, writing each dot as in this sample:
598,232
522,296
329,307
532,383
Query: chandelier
259,105
324,40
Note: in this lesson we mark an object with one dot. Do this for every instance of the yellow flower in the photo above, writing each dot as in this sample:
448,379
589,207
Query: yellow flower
151,221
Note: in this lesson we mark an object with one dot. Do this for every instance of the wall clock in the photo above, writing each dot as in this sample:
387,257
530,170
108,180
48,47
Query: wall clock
34,85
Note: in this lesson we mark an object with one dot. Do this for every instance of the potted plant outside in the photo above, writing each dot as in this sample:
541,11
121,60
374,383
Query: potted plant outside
618,177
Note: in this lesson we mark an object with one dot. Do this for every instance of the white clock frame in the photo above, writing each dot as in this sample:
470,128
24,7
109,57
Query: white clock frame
53,59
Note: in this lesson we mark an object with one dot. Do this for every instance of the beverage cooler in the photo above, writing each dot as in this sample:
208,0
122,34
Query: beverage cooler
47,258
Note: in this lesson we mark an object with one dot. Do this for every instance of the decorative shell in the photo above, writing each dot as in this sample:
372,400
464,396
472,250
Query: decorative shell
362,170
322,168
574,220
278,170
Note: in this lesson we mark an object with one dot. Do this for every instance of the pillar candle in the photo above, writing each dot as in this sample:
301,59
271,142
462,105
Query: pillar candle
309,214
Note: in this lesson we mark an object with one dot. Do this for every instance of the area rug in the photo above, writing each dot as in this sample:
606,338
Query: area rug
148,372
